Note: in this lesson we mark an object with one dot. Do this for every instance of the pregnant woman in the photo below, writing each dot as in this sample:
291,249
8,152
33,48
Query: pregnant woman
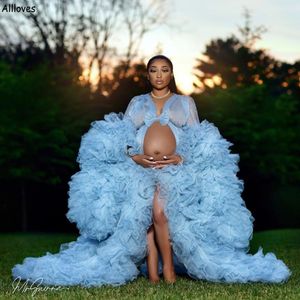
159,146
155,183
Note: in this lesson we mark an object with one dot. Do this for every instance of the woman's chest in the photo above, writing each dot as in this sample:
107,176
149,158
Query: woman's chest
175,111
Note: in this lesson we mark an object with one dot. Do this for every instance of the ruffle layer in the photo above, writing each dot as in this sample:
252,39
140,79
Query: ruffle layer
110,200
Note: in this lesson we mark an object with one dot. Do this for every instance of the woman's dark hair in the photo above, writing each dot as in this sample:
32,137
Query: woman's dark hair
172,84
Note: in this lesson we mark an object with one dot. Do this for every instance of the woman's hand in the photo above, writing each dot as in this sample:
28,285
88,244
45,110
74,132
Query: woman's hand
145,161
170,159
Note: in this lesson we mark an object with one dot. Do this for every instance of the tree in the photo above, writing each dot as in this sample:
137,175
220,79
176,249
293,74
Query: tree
234,62
42,117
84,32
263,129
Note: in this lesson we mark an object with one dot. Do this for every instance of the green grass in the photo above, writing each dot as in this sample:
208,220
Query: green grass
284,243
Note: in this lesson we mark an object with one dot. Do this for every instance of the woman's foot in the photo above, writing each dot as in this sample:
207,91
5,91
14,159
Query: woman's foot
169,274
154,279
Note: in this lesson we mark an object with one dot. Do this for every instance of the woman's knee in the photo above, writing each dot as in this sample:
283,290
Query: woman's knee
159,216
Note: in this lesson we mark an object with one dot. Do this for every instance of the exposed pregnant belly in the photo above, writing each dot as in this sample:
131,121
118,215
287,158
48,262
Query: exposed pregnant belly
159,140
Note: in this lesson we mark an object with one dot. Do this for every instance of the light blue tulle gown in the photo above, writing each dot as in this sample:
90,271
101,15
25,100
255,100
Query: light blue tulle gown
111,198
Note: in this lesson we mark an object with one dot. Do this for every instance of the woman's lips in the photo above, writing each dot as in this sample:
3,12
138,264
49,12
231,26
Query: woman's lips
159,81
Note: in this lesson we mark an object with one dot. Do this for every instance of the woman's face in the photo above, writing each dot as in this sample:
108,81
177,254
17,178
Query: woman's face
159,74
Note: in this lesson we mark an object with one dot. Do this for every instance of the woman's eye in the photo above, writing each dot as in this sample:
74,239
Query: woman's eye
162,70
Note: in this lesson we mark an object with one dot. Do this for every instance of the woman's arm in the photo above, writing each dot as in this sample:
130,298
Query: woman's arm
134,112
130,114
193,118
192,121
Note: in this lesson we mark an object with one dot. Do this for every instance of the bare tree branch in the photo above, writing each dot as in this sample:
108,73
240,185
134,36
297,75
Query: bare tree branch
70,29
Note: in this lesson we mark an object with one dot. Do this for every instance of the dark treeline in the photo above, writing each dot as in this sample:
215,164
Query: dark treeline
45,107
254,99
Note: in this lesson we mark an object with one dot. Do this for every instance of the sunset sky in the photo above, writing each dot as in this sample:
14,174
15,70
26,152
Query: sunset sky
198,21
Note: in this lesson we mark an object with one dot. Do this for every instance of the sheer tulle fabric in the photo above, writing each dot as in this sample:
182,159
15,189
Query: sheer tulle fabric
111,197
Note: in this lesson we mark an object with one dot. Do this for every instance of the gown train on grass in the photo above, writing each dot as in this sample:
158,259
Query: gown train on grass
111,198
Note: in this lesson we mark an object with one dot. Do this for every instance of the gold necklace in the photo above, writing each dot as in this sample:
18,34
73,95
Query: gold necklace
159,97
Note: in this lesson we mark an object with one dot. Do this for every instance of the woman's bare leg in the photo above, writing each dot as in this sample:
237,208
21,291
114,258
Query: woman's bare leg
162,237
152,258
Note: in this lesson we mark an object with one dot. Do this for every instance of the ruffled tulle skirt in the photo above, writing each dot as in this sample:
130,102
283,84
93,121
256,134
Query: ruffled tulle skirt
111,198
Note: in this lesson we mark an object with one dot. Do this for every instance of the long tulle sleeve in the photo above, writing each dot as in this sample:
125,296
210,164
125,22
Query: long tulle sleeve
133,115
134,112
186,147
129,110
193,117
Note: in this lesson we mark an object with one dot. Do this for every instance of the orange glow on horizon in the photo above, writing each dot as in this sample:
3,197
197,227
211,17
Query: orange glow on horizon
184,79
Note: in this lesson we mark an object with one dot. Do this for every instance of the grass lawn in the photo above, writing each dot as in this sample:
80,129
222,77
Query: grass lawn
285,243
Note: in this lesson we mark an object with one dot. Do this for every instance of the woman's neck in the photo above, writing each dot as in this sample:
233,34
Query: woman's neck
160,94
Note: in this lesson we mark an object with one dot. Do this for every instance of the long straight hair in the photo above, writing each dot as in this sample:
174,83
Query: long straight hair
172,84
